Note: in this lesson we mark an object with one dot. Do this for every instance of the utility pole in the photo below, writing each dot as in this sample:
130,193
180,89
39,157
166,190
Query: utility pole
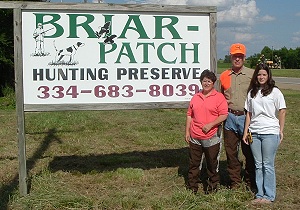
272,53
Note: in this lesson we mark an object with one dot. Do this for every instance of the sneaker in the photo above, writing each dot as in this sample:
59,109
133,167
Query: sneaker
256,201
263,200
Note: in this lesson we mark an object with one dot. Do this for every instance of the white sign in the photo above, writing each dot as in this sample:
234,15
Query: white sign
78,57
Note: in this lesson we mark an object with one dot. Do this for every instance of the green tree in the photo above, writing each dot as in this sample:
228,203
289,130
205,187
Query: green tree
253,60
283,54
6,49
227,59
291,60
298,57
267,51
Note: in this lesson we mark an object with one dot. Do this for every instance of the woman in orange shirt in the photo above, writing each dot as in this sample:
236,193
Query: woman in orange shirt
207,110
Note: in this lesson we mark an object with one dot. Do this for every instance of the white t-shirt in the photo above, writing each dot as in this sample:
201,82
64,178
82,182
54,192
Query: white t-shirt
264,110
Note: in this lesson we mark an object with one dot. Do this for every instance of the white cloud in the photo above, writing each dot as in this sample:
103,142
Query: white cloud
240,13
236,20
267,18
296,37
235,12
242,37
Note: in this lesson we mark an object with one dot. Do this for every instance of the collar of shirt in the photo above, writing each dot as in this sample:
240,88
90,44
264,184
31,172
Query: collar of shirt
238,73
213,92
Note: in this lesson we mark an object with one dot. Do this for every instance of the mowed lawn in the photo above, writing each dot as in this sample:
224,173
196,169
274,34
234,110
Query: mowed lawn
275,72
129,159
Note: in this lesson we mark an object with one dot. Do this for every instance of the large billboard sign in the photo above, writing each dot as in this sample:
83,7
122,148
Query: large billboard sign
113,57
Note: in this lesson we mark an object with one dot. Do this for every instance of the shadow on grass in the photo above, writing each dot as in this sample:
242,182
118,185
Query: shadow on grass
7,190
136,159
101,163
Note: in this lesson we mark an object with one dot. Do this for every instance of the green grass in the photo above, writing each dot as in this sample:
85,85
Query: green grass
8,101
286,73
275,72
125,159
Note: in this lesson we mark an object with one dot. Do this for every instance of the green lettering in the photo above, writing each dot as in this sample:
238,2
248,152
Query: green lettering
74,25
159,27
160,53
129,53
194,49
55,17
139,28
103,52
145,50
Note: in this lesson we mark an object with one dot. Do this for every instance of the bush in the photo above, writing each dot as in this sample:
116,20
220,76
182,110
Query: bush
8,101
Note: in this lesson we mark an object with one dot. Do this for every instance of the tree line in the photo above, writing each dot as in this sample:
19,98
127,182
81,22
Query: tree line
289,58
6,50
7,73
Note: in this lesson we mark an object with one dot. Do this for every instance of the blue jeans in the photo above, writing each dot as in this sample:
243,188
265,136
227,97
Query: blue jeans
264,149
235,123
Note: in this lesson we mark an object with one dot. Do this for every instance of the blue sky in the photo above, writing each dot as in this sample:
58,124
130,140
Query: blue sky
255,23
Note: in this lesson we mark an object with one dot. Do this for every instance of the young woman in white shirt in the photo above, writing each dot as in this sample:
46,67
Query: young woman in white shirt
265,118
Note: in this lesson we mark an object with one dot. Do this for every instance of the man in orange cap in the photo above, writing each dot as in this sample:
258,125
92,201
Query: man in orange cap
234,85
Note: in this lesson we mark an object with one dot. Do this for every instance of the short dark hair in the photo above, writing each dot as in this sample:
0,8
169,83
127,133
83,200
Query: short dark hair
208,74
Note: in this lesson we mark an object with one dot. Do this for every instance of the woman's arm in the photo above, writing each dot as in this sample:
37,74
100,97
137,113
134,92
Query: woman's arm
187,128
281,116
246,127
206,128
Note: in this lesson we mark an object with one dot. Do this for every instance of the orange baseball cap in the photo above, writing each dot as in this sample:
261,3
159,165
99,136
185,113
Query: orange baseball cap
238,48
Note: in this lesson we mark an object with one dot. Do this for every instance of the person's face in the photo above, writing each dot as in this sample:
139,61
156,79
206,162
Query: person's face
207,84
237,60
262,77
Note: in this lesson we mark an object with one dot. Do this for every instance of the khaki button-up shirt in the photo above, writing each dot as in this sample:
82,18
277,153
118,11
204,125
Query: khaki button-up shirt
234,86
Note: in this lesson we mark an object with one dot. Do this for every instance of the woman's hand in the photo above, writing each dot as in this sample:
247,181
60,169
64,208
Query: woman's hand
206,128
187,138
281,136
245,139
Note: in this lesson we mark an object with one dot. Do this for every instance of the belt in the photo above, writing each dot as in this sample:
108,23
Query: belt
236,112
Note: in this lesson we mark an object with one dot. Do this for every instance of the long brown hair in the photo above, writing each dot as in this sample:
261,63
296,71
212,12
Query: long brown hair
254,84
